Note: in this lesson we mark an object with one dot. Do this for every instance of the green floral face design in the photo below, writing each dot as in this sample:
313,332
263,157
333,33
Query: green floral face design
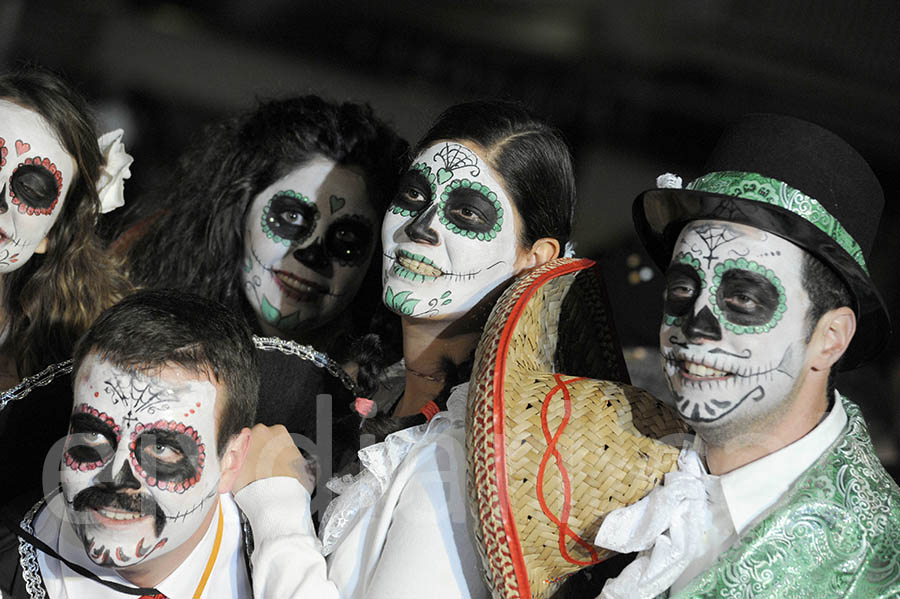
734,331
450,228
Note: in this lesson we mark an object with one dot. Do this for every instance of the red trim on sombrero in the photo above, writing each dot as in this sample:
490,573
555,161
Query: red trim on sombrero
563,522
509,526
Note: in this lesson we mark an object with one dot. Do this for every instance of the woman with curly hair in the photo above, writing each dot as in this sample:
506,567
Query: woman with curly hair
54,273
275,213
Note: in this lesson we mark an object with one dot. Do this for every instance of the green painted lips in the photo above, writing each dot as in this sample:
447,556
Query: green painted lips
403,272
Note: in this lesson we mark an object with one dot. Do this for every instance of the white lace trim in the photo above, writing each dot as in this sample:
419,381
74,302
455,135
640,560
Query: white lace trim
378,463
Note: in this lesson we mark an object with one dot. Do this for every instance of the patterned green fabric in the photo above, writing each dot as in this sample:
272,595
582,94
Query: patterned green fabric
756,187
836,533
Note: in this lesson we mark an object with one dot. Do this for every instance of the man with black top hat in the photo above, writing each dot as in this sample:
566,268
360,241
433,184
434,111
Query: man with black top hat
767,294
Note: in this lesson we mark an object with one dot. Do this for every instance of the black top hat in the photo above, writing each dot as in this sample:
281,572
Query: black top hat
798,181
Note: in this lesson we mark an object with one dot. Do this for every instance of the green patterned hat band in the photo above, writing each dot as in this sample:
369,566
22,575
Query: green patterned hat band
759,188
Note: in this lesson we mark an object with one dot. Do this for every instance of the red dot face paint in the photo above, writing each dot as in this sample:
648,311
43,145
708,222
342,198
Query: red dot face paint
134,431
35,176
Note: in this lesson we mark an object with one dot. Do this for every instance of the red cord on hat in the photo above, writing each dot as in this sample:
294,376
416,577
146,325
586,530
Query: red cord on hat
429,410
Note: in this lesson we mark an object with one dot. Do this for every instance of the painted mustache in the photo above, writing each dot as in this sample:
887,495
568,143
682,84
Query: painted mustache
97,498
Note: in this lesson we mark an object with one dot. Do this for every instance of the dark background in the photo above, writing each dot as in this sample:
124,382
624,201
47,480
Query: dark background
638,87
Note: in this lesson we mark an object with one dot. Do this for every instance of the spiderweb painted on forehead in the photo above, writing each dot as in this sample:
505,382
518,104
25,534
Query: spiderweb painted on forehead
456,157
291,348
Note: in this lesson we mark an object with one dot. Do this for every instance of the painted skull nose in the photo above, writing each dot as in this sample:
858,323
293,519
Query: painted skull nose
3,205
314,257
420,228
703,324
123,479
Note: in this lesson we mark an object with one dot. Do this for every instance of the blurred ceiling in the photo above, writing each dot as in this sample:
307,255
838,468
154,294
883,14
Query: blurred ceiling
631,73
638,87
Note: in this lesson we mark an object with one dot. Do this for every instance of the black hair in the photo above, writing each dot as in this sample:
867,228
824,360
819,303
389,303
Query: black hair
826,292
200,211
50,300
825,289
153,329
535,165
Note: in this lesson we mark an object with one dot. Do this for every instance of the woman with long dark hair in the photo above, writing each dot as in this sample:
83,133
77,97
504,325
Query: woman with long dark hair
54,273
489,196
274,212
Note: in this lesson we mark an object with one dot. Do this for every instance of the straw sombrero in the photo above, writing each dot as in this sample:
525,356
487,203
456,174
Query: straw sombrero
549,454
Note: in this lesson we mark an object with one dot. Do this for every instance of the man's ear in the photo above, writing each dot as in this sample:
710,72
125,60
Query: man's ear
42,247
233,459
541,251
832,337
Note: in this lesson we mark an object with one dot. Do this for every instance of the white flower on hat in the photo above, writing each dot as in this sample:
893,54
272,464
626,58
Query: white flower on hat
111,182
668,181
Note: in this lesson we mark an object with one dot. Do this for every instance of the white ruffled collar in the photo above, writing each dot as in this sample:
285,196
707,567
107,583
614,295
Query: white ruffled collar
378,463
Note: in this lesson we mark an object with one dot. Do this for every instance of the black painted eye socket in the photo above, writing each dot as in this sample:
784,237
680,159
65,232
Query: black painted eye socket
682,288
34,186
167,455
470,210
91,440
349,240
414,192
747,298
291,218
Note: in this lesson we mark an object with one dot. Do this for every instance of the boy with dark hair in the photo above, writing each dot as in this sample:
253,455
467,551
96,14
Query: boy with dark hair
165,388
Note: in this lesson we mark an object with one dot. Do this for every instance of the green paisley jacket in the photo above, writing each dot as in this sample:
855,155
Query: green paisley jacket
835,533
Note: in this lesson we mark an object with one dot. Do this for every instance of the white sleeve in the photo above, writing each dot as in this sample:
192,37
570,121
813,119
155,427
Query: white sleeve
287,559
428,551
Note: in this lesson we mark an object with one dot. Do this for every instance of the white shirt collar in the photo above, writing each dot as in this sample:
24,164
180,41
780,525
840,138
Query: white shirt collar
747,498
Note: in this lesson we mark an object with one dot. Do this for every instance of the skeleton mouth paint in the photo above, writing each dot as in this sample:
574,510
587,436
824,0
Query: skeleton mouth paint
730,351
416,267
296,288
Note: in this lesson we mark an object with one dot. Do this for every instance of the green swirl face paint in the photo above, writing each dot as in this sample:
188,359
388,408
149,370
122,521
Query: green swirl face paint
449,234
308,240
734,332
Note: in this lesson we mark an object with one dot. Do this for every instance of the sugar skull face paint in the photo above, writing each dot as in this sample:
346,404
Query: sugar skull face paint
733,335
140,470
35,174
308,241
449,235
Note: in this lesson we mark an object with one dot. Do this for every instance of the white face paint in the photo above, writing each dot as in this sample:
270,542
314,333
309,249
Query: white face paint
733,335
449,236
140,470
308,240
35,175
